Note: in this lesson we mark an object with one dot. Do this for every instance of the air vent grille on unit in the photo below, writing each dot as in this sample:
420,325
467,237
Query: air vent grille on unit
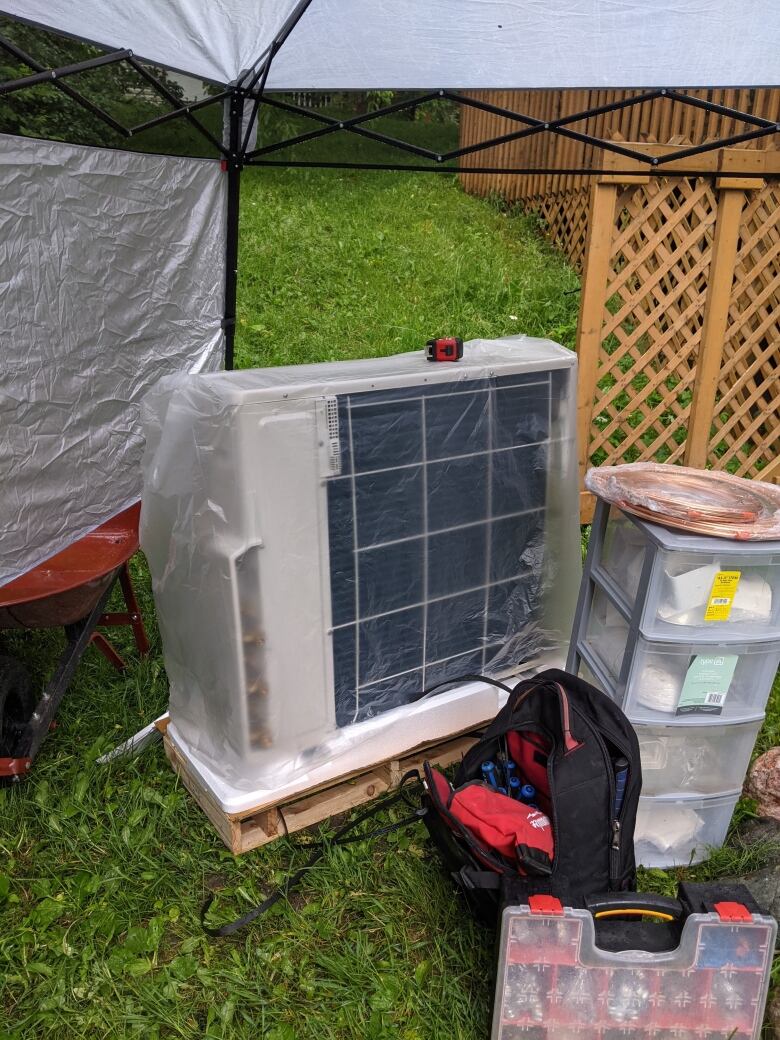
437,533
334,447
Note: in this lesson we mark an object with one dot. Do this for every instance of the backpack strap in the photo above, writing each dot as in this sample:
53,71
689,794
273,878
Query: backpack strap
525,689
321,847
516,696
520,693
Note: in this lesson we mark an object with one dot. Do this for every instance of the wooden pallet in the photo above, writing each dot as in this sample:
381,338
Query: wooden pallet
254,827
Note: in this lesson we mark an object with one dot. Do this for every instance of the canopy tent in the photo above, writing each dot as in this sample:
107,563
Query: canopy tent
465,44
121,267
108,283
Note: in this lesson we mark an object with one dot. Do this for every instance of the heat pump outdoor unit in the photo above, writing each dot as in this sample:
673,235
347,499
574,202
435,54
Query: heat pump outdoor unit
329,541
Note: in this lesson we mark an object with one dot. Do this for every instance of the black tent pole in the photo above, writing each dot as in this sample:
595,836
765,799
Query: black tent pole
233,164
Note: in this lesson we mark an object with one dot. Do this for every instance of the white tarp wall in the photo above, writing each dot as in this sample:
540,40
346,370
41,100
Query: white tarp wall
111,275
359,44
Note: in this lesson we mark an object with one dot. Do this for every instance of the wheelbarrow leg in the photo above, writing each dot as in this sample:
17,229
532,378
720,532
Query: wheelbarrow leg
107,650
134,613
131,616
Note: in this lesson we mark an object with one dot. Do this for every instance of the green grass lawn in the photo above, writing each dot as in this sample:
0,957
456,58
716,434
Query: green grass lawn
342,264
103,869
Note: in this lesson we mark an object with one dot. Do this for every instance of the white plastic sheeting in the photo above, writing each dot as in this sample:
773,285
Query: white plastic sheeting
359,44
112,275
327,541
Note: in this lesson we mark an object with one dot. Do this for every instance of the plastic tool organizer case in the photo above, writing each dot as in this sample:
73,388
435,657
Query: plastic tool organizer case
684,633
327,541
565,975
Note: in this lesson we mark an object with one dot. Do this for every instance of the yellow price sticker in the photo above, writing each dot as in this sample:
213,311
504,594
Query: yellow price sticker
722,593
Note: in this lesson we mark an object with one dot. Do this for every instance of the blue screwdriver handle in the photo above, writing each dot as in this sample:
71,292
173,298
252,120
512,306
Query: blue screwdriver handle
621,779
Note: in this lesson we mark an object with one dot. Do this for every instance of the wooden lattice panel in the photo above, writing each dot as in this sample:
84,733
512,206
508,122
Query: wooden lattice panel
565,218
653,315
746,422
679,329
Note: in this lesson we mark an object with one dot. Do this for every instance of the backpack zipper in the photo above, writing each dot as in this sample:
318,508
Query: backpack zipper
553,813
615,835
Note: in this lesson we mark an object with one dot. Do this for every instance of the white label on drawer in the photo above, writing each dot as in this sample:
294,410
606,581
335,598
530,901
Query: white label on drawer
707,683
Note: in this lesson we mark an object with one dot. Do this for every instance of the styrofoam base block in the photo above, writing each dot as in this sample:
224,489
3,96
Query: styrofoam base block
352,749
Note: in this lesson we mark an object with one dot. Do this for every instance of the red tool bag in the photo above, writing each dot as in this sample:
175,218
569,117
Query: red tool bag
496,828
580,753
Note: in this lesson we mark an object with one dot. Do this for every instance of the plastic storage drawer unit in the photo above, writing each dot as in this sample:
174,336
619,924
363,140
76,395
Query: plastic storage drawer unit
668,680
683,632
555,983
695,757
723,589
679,830
588,673
672,680
657,681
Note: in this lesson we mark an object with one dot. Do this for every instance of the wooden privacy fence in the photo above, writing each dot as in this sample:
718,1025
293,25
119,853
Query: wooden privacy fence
562,199
679,328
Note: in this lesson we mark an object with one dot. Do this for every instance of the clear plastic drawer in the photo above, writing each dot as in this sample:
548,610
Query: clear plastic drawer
676,680
692,757
722,589
554,983
606,636
623,554
668,680
681,831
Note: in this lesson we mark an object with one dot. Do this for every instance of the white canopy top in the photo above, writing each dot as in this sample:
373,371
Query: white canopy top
468,44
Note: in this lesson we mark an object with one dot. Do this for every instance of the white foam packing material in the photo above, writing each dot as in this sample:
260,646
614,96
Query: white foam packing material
349,750
666,825
685,596
660,684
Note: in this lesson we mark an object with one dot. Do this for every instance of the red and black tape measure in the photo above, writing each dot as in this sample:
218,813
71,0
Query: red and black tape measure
448,349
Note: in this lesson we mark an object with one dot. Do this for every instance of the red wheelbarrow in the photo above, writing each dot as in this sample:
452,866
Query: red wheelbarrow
70,590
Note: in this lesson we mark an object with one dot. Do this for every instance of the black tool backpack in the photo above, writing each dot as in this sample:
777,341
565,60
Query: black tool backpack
580,753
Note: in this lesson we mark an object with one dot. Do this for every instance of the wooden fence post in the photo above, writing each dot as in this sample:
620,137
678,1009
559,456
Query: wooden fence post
716,311
598,250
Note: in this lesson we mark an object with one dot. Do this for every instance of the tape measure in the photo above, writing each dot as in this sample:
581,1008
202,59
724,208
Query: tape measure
448,349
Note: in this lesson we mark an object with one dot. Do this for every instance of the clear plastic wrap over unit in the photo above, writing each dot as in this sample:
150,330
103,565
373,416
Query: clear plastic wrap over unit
329,541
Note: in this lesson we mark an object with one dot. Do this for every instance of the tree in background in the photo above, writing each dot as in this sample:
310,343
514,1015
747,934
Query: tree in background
46,111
